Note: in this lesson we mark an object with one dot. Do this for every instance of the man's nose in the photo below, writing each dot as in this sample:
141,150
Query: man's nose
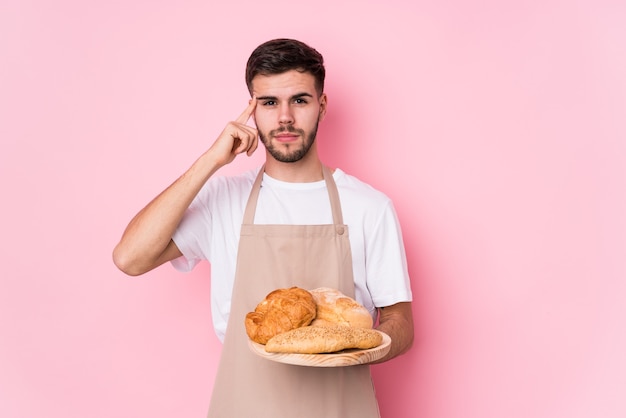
285,117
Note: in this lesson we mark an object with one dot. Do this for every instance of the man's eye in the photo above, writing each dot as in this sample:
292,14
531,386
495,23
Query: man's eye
300,101
269,103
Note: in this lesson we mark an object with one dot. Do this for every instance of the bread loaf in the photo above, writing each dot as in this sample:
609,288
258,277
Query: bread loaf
333,307
326,339
281,310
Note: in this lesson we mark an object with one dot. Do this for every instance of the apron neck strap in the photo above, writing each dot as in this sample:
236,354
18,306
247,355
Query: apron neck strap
333,194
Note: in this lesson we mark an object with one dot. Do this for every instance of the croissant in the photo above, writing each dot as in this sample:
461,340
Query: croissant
282,310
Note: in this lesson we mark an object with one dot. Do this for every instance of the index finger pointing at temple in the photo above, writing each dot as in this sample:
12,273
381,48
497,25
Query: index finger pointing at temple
243,118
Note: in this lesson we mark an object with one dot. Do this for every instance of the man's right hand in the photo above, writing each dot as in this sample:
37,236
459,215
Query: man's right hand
236,138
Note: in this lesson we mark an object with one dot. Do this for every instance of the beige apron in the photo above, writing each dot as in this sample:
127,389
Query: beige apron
280,256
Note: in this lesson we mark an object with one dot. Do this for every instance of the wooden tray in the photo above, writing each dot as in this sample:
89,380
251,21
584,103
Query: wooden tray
338,359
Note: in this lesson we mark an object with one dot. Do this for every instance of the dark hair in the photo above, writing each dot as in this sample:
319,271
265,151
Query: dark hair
281,55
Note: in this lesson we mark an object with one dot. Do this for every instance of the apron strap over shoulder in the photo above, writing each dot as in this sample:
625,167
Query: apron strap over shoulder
248,216
333,193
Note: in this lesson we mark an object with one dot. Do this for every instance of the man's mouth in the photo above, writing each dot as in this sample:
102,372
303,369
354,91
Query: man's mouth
286,134
287,137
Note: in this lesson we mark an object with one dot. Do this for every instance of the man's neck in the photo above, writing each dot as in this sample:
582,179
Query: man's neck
306,170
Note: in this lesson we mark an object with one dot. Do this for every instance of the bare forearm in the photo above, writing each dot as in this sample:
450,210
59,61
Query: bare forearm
397,322
149,233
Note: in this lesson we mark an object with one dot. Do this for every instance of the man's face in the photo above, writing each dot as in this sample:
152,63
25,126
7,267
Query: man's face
287,114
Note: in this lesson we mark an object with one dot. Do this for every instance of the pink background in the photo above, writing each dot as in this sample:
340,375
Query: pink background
497,128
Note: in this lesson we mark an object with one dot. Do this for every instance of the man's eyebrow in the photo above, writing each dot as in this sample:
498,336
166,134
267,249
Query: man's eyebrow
299,95
295,96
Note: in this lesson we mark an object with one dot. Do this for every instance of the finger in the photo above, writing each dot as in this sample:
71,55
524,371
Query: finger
254,144
245,138
243,118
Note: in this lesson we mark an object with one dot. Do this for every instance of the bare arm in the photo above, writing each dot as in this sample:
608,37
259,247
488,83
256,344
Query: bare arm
397,322
147,241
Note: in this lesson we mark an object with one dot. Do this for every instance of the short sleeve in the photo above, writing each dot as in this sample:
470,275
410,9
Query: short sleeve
192,236
387,272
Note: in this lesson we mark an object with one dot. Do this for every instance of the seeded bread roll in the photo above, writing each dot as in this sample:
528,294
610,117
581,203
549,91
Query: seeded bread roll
327,339
281,310
333,307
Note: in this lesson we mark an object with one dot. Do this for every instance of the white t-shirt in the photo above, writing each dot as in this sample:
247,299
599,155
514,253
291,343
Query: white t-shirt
210,231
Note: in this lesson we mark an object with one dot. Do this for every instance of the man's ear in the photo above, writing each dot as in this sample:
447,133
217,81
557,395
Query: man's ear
323,106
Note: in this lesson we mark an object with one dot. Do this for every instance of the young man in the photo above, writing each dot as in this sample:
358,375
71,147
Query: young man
292,222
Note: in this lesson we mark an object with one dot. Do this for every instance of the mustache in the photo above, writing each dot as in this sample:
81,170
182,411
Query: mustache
286,128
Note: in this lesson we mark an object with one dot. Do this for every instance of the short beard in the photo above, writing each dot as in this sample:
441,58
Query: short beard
294,155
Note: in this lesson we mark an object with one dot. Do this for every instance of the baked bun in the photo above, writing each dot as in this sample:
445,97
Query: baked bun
282,310
333,307
327,339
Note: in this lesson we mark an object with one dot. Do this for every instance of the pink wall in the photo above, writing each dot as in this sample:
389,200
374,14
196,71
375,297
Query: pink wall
498,130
